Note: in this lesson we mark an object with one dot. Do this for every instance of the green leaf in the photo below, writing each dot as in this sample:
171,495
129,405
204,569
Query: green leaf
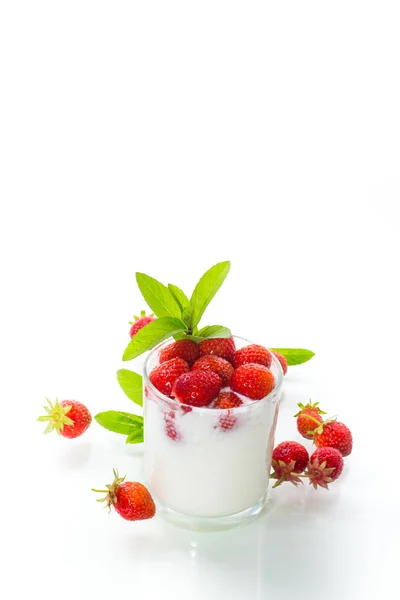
119,422
205,291
157,296
136,437
179,295
152,334
131,384
295,356
214,331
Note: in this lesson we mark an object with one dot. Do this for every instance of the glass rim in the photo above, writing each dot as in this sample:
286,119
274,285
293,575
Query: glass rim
271,398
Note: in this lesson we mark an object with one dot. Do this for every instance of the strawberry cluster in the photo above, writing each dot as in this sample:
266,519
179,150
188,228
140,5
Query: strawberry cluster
291,461
194,374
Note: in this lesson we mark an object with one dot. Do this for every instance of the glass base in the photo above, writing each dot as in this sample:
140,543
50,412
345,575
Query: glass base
211,523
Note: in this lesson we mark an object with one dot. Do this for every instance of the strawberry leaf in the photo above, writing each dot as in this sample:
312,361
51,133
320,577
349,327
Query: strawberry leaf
131,384
295,356
179,295
119,422
152,334
214,331
204,292
158,297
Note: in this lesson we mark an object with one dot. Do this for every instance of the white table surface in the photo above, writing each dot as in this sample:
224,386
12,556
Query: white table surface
162,138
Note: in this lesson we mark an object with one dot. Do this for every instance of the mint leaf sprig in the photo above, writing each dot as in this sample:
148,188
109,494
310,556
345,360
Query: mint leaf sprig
178,316
132,385
295,356
124,423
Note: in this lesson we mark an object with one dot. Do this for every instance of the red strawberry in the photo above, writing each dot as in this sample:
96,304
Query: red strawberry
197,388
227,400
308,419
164,376
288,460
282,360
252,380
131,500
326,465
170,426
218,365
252,354
188,350
223,347
336,435
69,418
140,322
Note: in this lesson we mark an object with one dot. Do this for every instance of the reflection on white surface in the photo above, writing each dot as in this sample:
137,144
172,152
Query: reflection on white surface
75,456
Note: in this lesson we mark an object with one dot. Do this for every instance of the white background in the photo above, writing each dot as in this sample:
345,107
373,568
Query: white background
164,137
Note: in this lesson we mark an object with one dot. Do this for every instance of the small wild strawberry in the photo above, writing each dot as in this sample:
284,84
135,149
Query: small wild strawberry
170,427
218,365
223,347
164,376
289,459
282,360
336,435
197,388
140,322
69,418
187,350
326,465
253,381
252,354
227,400
131,500
308,419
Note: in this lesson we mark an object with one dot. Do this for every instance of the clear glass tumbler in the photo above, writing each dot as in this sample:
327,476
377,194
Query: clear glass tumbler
204,476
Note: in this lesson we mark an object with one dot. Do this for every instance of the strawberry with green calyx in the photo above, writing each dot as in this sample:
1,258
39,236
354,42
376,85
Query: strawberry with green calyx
334,434
68,418
131,500
289,459
140,322
325,465
308,419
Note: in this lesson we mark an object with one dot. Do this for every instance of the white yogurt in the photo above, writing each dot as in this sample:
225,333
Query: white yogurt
209,471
